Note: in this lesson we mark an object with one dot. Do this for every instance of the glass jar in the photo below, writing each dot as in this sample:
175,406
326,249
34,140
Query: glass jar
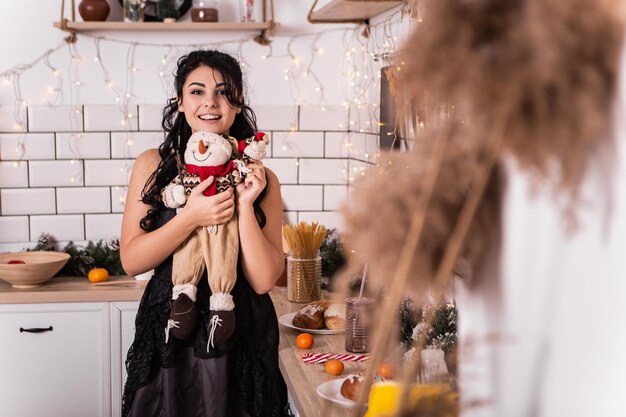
204,11
359,316
304,279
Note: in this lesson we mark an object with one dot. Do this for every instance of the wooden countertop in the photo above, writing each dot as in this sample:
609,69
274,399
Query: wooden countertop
74,289
303,379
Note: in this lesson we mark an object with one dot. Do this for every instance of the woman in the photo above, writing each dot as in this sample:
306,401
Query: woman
181,378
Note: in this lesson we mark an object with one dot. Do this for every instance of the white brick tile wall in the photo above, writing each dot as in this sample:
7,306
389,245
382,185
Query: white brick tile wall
62,227
109,118
302,197
330,219
27,201
102,226
55,173
313,186
13,229
298,144
365,119
285,169
334,196
108,172
337,145
8,122
358,169
323,171
83,200
131,144
333,118
276,117
150,116
290,217
55,119
363,146
33,146
83,145
118,198
13,174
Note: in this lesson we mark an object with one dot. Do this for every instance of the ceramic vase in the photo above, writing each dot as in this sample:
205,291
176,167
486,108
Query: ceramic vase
94,10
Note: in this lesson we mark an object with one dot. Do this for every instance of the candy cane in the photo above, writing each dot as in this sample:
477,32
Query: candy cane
323,357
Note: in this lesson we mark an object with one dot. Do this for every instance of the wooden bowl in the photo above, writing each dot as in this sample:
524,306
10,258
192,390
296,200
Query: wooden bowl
38,267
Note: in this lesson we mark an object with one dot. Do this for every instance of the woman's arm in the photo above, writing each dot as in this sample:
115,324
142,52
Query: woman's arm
261,249
141,251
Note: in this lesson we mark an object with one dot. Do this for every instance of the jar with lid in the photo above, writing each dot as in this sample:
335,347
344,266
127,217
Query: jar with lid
204,11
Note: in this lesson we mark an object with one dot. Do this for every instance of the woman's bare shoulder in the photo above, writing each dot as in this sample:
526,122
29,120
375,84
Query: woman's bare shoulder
148,160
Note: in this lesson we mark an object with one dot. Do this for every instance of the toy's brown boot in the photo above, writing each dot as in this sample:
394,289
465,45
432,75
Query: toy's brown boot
183,318
220,328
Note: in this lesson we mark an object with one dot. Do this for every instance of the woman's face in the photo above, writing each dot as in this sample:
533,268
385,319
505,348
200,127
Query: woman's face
204,102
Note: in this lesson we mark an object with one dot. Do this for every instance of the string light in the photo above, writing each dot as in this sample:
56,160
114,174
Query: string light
359,73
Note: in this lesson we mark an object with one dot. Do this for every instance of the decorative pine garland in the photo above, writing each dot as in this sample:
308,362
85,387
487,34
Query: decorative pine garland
83,259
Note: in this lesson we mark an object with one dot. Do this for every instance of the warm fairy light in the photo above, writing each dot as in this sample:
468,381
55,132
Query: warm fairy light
323,108
317,89
96,59
129,115
129,142
134,69
56,73
78,83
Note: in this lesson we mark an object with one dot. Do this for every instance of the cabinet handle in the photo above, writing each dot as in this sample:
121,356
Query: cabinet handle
36,329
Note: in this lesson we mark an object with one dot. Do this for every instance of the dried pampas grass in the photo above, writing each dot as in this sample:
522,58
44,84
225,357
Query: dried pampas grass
548,67
385,200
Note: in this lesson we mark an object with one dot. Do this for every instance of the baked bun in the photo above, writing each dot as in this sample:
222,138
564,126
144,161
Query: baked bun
351,386
311,317
335,317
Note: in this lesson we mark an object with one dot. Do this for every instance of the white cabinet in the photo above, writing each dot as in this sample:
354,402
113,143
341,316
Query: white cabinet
64,359
55,360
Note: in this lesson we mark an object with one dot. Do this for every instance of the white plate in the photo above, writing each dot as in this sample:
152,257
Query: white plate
331,391
287,321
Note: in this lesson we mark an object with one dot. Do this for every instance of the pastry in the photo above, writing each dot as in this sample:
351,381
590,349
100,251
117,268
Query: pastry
311,317
335,317
351,386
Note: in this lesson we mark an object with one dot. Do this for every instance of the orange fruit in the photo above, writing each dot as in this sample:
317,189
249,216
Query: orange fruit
98,275
385,370
334,367
305,341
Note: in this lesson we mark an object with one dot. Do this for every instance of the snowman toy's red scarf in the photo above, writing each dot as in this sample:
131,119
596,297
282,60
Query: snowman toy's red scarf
206,172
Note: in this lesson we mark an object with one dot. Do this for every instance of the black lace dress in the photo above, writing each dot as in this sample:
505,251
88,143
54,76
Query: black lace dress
179,379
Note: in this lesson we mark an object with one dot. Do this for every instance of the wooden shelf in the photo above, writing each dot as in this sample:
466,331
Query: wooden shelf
351,10
160,26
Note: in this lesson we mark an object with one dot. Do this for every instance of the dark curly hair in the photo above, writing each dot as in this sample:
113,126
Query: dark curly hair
179,131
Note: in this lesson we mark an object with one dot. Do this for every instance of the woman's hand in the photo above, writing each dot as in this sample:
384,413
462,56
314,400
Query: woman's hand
206,211
253,185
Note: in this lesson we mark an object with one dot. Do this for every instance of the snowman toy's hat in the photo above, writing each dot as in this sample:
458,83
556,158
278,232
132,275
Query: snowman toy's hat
210,137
